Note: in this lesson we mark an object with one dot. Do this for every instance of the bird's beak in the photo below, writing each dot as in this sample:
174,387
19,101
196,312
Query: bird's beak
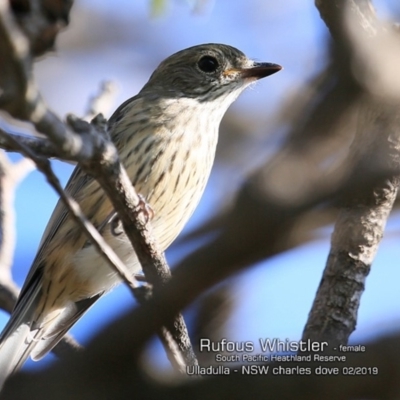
253,73
259,70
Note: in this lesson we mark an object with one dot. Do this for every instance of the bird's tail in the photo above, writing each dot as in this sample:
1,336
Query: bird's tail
15,349
18,338
28,334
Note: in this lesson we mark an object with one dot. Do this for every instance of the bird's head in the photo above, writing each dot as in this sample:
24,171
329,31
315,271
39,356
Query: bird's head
207,72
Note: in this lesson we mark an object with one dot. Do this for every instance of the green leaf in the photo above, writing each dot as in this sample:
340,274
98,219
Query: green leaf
158,7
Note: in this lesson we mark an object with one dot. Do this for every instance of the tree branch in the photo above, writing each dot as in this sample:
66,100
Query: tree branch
10,175
362,218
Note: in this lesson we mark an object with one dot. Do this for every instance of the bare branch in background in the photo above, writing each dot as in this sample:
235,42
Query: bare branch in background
10,176
103,101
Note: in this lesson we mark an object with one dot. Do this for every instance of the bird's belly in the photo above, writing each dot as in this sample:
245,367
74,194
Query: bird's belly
170,220
175,201
166,225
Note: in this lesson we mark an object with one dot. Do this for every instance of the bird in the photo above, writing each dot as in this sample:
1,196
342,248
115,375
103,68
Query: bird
166,137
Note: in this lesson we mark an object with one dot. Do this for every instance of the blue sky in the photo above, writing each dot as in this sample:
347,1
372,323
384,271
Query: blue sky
122,43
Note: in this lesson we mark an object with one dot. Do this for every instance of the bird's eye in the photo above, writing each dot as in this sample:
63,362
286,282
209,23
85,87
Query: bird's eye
208,64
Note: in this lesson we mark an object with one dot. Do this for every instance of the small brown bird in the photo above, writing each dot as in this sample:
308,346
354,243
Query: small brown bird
166,137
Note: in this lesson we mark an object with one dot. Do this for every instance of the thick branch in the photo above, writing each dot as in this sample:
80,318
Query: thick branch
362,219
358,229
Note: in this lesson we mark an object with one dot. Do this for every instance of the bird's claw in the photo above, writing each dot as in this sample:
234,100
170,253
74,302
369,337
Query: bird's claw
142,208
116,225
145,208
